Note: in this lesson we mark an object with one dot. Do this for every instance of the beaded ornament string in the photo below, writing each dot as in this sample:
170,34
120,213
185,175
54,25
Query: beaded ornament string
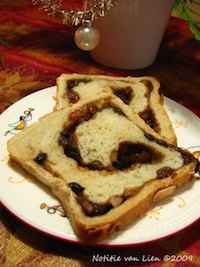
86,36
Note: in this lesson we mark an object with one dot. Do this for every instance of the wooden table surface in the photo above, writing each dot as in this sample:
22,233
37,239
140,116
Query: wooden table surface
32,61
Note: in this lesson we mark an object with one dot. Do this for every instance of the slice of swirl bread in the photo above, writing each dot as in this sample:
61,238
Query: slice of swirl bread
141,94
102,162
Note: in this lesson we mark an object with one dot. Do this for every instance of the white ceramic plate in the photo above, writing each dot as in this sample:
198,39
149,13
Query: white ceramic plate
33,204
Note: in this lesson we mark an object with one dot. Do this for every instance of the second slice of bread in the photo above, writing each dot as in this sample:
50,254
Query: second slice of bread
141,94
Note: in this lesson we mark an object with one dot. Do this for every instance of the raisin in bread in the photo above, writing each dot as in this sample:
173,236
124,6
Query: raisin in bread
140,93
102,162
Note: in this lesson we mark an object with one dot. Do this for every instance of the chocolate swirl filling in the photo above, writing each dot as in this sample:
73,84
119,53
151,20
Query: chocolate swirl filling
148,114
127,155
71,84
125,93
90,208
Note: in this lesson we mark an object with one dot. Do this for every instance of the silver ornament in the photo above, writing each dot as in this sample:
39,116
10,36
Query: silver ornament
87,37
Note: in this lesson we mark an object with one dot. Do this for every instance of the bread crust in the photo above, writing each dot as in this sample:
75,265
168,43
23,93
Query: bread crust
133,208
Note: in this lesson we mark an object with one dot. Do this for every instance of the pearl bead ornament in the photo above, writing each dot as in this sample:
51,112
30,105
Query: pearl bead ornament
87,37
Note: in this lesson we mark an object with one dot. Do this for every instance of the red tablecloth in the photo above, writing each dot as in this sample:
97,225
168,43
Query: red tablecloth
39,50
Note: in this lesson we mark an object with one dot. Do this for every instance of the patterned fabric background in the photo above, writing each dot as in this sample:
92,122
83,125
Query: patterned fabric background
38,50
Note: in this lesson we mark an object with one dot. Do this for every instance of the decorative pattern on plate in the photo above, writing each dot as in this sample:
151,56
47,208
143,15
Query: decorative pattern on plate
21,123
53,209
179,123
155,211
16,181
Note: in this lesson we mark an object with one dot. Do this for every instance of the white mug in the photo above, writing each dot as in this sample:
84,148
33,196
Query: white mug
131,33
